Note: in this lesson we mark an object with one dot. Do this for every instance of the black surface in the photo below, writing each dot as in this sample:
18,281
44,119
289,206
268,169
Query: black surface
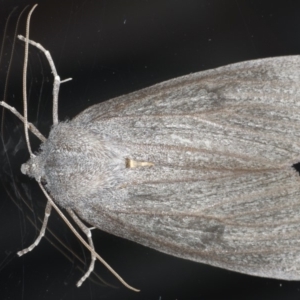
111,48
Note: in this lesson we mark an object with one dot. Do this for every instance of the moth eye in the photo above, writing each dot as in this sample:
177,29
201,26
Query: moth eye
29,169
24,169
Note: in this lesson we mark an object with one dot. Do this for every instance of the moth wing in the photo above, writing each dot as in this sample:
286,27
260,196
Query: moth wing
246,222
252,105
265,82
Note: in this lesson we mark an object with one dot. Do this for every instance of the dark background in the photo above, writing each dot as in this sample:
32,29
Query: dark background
111,48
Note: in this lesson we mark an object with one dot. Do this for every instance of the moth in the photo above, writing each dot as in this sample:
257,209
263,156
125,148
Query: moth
199,167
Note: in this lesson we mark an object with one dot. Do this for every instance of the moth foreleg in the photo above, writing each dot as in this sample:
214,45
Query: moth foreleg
42,231
57,80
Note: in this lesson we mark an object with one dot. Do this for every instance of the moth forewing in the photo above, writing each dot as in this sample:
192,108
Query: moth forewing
249,230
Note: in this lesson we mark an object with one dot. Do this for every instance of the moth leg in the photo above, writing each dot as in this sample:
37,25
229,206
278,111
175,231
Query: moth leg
57,80
91,248
42,231
88,233
31,127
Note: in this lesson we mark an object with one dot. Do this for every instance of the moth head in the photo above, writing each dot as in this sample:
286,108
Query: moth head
33,168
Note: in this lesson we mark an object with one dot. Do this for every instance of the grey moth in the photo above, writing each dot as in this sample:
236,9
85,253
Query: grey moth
199,167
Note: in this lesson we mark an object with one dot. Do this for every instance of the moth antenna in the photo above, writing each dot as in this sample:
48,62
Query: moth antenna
25,81
11,56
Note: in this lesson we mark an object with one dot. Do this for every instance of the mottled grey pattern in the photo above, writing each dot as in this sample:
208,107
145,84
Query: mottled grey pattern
222,189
